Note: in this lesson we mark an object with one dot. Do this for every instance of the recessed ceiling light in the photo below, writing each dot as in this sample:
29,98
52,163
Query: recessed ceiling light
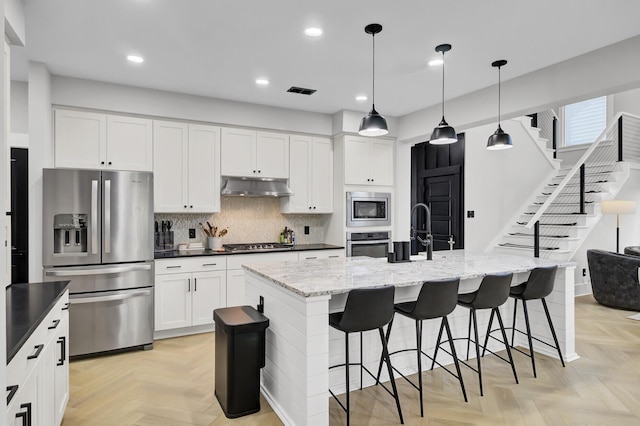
313,32
135,59
361,98
262,82
436,62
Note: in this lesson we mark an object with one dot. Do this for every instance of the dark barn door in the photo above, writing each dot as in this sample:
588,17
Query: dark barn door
437,180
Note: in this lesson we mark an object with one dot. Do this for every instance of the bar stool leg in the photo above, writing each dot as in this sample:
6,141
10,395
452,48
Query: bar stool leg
346,356
486,338
385,353
435,352
382,354
469,333
445,322
515,314
361,360
506,344
475,332
553,331
419,353
526,320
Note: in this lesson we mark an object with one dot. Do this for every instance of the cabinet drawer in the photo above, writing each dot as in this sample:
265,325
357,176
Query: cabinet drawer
194,264
236,261
321,254
25,360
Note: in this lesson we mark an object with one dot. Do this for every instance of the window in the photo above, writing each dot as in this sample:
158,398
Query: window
584,121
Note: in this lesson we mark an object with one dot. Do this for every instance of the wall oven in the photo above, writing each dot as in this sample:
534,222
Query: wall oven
368,209
372,244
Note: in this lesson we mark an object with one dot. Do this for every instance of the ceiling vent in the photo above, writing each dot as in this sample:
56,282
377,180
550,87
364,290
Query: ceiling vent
301,90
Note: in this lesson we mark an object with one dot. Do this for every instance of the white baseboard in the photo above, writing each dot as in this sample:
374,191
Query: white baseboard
177,332
582,289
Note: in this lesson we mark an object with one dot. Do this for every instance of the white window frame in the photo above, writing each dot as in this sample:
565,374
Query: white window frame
563,121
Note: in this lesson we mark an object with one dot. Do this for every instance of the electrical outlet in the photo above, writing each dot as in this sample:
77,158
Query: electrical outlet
584,272
192,232
471,213
306,230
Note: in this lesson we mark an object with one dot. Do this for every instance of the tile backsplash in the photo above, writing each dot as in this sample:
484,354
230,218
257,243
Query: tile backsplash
249,220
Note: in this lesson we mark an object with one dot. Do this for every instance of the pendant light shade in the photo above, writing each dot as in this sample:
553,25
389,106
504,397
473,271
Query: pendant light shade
373,124
499,139
443,134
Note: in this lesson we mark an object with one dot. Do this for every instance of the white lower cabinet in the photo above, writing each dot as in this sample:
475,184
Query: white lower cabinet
188,294
235,287
40,372
320,254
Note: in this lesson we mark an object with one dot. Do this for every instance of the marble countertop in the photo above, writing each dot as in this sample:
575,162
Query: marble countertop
174,254
27,305
332,276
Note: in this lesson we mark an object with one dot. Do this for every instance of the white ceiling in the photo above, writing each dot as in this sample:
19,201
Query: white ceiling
217,48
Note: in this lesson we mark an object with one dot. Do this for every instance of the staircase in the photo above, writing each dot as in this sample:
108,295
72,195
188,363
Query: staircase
568,205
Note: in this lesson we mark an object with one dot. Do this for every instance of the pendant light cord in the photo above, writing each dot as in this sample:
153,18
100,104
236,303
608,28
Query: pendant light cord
499,79
373,97
443,85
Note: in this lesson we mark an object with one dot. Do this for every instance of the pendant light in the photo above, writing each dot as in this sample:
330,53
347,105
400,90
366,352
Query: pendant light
443,134
499,139
373,124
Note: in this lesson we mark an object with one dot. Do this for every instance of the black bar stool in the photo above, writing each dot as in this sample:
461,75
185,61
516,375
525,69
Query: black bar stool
366,309
437,299
538,286
492,293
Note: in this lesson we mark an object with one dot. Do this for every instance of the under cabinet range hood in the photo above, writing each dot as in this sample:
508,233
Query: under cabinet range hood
247,187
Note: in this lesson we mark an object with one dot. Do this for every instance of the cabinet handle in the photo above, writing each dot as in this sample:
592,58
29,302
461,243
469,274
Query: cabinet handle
188,284
190,207
185,206
38,350
309,207
102,162
26,415
110,163
65,307
334,257
311,257
254,171
12,391
195,284
259,171
55,325
209,264
314,207
63,350
174,267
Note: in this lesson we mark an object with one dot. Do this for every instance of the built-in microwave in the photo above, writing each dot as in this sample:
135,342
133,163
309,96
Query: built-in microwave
368,209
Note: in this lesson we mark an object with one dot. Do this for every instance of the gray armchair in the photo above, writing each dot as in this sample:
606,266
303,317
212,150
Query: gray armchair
614,279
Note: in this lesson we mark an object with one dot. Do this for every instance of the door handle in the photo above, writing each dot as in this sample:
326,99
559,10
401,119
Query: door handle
26,415
82,300
94,216
75,271
38,350
55,325
63,350
107,216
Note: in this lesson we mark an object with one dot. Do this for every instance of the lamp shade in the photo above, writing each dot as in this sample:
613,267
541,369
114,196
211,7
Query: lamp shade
373,124
618,207
499,140
443,134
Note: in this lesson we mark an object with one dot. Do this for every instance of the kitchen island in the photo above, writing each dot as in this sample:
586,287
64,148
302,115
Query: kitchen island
298,296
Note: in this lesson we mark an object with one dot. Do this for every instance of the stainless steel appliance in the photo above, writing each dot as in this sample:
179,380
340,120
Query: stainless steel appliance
372,244
98,234
257,247
368,209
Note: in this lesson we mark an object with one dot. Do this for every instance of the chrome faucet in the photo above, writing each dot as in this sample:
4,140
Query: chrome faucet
427,241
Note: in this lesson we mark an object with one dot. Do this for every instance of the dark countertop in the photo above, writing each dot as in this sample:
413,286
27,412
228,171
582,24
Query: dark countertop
27,305
298,247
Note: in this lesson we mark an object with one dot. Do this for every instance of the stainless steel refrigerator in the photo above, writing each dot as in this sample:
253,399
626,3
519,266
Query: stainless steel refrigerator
98,234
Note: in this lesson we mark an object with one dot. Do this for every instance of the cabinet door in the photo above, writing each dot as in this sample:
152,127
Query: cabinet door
356,161
300,148
172,301
321,170
272,153
238,152
25,402
80,139
46,396
129,143
209,293
235,287
381,160
61,368
204,169
170,167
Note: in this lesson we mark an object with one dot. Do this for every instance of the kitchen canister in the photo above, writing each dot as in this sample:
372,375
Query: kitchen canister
214,243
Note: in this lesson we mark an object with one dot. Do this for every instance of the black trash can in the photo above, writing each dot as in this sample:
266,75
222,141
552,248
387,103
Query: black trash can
240,354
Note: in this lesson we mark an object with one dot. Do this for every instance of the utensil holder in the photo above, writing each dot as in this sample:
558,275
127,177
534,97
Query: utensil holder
214,243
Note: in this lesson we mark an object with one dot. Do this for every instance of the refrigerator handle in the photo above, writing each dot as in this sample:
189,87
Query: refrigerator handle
94,216
107,216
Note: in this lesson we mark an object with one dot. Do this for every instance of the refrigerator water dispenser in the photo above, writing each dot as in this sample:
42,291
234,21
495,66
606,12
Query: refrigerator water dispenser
70,233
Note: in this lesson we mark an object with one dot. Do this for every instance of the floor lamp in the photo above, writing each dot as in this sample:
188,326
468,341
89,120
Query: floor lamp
618,207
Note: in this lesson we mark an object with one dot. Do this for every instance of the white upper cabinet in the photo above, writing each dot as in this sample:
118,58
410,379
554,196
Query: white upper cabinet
186,160
247,153
368,161
311,176
89,140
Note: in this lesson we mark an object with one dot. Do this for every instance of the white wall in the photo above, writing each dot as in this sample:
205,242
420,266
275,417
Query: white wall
19,107
134,100
627,101
40,156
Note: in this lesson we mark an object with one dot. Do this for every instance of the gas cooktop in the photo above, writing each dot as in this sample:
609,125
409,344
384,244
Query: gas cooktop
257,247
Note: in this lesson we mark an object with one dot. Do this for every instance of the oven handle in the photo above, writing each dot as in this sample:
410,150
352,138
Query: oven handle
75,300
74,271
365,242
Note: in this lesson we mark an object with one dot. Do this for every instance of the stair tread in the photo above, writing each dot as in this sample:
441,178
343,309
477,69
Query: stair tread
524,234
576,193
524,246
538,203
552,224
577,184
555,214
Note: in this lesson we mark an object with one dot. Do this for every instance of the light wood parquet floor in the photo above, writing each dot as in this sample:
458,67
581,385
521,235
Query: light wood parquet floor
173,385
